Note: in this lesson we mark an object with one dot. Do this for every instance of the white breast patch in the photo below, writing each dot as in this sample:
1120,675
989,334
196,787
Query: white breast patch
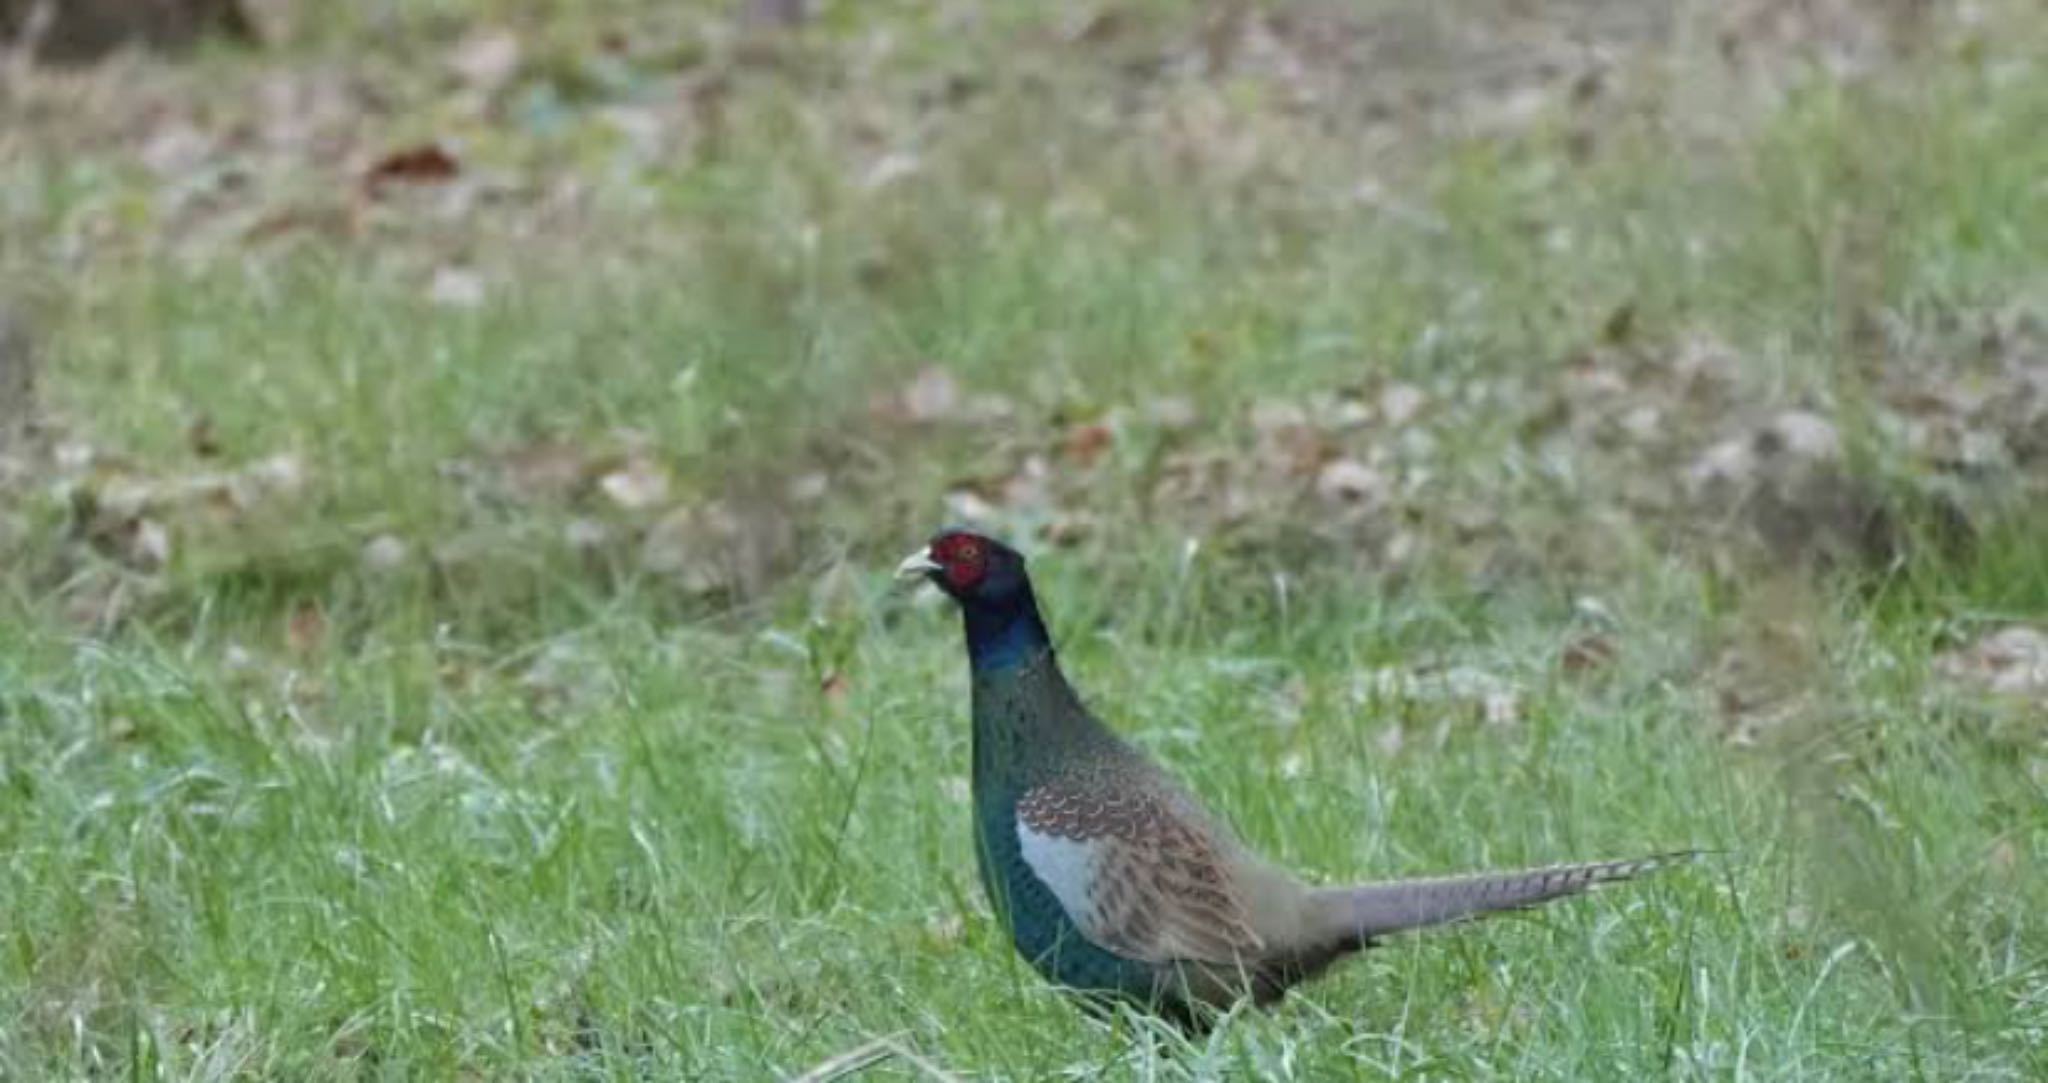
1067,866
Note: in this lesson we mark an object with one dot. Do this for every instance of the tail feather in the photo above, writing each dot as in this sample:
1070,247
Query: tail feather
1370,911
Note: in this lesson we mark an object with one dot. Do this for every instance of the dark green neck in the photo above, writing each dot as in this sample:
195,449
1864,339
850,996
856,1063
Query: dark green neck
1028,722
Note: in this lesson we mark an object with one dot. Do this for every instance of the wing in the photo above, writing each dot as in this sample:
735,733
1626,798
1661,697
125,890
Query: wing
1139,875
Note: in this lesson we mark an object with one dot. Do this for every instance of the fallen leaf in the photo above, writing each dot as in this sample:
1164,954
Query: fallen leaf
456,287
932,395
967,506
714,547
306,629
175,151
1270,416
777,13
1172,413
889,169
1084,444
486,60
385,554
1348,481
2012,661
545,470
638,484
331,222
427,163
1801,435
147,544
586,535
809,487
200,437
1400,403
281,475
1588,653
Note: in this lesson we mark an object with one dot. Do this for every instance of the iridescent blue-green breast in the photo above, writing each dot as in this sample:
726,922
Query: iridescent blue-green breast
1038,924
1029,728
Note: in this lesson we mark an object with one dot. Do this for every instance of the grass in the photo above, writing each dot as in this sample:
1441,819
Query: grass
520,806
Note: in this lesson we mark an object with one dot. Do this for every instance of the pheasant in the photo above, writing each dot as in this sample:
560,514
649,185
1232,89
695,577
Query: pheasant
1110,878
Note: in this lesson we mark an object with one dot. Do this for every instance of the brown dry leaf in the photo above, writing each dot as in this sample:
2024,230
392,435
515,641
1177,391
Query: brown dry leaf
543,471
327,222
1290,443
1587,654
201,437
427,163
1084,445
1348,481
306,629
1793,439
2012,661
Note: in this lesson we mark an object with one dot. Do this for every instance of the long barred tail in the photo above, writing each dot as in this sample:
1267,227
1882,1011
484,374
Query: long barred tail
1370,911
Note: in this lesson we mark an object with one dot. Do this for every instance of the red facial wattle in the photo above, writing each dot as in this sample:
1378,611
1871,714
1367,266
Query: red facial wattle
963,560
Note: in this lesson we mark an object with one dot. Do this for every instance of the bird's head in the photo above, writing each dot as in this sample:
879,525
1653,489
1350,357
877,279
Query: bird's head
975,569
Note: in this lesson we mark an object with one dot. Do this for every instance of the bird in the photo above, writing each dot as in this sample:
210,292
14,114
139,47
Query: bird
1112,880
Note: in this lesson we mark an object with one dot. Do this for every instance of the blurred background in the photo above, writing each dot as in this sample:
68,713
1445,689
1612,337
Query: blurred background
504,414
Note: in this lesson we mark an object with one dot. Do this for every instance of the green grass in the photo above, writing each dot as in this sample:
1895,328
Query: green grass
524,808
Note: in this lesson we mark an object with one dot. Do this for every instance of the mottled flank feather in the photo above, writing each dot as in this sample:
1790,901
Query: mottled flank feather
1161,891
1111,879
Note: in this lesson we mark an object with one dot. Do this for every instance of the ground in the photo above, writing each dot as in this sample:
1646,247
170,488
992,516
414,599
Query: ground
452,456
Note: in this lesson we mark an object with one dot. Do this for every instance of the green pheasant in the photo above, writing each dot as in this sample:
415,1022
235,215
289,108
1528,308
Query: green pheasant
1111,879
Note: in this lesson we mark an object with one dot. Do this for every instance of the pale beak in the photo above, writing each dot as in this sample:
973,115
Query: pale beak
917,565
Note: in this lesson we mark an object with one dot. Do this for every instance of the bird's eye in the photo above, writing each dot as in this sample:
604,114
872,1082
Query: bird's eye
969,551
